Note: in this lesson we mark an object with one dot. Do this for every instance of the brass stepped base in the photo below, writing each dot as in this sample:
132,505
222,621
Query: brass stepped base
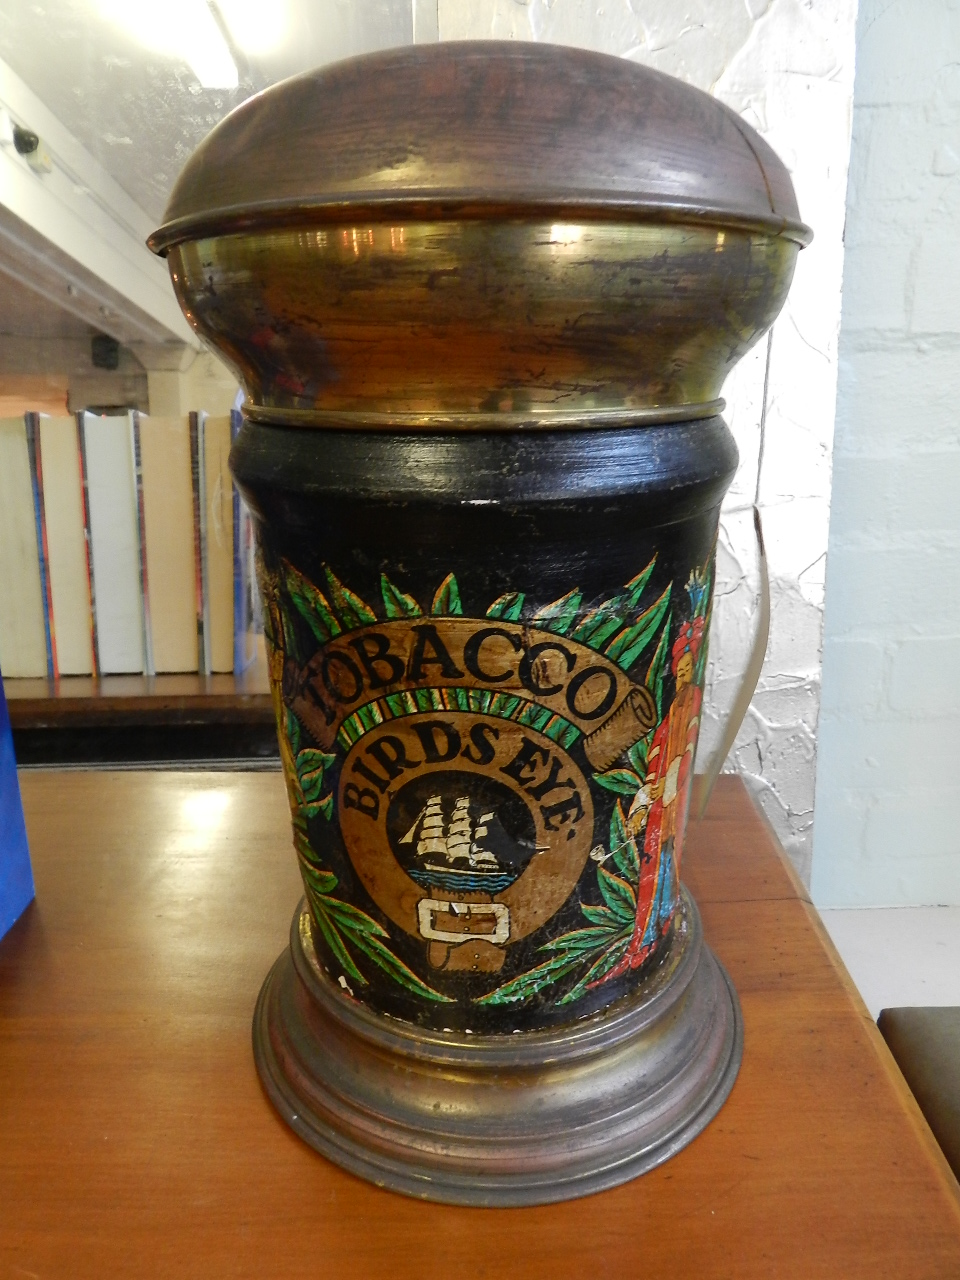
523,1119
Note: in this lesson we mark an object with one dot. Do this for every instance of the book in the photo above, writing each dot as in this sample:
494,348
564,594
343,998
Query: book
23,647
168,525
67,566
87,540
217,533
108,451
245,603
197,474
148,666
16,878
32,426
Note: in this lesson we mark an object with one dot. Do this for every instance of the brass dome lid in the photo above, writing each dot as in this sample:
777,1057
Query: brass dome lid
481,129
481,236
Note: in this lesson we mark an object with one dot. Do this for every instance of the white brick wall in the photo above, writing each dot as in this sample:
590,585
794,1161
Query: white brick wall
786,66
888,786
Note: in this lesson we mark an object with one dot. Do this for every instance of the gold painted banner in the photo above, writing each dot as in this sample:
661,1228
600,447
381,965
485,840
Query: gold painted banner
568,677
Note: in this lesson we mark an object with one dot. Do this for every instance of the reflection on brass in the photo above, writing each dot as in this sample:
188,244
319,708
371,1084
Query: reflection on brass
501,1119
520,323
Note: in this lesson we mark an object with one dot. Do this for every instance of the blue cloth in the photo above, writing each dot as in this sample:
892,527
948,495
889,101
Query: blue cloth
16,878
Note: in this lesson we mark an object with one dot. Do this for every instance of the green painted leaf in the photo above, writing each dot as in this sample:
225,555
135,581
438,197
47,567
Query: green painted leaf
504,704
600,623
301,843
598,970
634,588
353,611
320,881
507,607
618,895
602,916
657,671
293,731
559,616
352,920
623,781
384,958
637,755
447,599
326,806
312,764
626,647
311,604
334,941
626,858
528,984
336,919
396,602
582,941
618,827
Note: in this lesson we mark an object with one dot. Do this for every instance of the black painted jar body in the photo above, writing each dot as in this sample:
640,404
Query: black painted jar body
487,655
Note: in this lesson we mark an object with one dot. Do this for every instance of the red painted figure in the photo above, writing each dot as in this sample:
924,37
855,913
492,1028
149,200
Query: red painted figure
661,804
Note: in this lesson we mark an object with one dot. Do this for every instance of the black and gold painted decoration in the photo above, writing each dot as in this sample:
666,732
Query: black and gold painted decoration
488,808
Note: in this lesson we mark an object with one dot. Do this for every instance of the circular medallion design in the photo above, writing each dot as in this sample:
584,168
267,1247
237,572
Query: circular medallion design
468,831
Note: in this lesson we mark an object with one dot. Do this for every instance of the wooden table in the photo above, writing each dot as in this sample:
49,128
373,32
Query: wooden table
135,1140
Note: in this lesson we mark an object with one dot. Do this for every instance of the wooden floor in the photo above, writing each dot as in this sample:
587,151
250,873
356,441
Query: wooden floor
135,1139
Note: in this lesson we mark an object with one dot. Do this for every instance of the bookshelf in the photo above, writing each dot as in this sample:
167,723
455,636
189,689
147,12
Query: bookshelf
184,698
179,720
125,548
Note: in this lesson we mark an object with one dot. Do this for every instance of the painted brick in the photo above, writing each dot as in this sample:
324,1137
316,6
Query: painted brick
839,829
929,882
913,825
925,680
874,592
936,307
884,756
902,42
875,299
901,398
852,675
888,497
897,146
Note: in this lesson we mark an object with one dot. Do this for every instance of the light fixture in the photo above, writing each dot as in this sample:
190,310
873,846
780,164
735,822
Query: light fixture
183,29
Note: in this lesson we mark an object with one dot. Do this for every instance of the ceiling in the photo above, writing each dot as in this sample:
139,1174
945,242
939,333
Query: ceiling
141,111
28,315
118,75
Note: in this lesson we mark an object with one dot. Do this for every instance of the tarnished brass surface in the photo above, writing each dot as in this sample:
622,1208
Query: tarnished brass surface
489,129
512,323
501,1120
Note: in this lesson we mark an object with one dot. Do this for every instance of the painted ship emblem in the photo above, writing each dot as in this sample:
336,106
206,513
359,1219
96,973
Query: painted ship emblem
463,855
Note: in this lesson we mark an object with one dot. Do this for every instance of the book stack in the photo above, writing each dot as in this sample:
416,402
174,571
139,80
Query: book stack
124,547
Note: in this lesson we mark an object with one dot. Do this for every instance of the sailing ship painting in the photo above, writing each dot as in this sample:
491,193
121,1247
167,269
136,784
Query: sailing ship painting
466,853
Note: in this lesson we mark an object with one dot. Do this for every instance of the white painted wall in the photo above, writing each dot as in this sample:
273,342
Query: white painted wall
787,67
888,788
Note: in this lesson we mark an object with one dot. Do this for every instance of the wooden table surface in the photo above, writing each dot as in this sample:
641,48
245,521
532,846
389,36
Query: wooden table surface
135,1140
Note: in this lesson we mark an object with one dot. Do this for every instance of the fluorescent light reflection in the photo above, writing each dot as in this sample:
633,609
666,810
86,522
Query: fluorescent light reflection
182,29
565,234
257,27
204,812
